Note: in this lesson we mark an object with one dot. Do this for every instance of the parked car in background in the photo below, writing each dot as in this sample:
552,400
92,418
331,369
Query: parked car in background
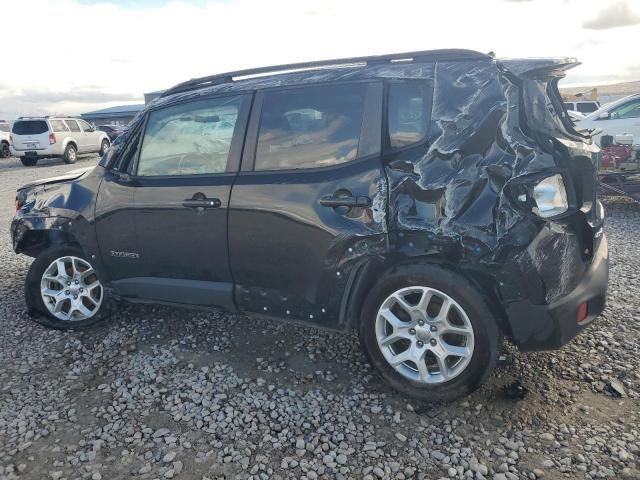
615,118
112,131
45,137
5,140
386,194
585,107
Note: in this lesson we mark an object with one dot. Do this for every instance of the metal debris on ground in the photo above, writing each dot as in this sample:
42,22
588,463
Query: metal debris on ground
515,390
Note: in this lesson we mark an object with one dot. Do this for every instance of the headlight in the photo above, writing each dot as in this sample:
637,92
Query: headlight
550,196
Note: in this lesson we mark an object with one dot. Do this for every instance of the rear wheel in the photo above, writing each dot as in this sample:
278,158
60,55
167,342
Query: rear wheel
29,161
5,151
70,154
64,291
104,146
429,332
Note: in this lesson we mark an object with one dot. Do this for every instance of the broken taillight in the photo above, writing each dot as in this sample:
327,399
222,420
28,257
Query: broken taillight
52,138
583,311
550,196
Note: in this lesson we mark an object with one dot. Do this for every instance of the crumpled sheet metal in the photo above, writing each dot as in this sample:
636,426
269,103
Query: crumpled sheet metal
458,191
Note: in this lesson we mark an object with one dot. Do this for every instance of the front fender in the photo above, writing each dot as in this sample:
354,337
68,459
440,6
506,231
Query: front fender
30,234
60,212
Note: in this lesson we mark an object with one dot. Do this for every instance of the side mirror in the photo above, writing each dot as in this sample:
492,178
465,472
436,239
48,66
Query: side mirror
604,116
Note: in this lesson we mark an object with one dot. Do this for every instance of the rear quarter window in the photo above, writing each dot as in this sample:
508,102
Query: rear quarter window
58,126
30,127
408,112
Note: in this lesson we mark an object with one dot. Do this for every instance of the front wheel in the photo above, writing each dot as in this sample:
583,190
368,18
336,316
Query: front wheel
63,287
429,332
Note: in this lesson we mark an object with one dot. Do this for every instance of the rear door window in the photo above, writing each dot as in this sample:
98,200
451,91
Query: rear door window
30,127
408,112
4,127
310,127
73,125
191,138
58,126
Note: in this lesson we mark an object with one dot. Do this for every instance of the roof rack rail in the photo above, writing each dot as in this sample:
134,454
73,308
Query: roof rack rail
425,55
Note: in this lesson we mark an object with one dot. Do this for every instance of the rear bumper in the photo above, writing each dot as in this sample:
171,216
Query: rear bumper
547,327
43,152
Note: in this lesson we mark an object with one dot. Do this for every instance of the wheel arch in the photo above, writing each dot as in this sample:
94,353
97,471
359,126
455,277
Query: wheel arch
367,275
33,242
71,141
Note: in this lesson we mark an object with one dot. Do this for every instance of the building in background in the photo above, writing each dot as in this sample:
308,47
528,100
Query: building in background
120,115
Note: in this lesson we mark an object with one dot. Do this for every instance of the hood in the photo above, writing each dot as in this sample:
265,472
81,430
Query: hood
72,175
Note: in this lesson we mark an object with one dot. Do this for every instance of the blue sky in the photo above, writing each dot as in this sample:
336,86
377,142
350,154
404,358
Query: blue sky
111,52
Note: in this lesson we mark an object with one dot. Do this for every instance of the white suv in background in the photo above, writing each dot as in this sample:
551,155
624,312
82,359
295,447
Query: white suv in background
33,138
585,107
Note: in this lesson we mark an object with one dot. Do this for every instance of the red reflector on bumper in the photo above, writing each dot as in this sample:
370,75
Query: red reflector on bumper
583,311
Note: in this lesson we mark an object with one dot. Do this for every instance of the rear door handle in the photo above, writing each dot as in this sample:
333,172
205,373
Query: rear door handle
351,202
202,203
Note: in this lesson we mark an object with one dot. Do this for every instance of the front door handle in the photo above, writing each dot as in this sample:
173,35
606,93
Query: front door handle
350,202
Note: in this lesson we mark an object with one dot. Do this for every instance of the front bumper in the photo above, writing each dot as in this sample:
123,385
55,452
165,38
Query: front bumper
547,327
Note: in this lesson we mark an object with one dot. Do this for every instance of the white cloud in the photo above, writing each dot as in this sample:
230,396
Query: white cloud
63,45
613,16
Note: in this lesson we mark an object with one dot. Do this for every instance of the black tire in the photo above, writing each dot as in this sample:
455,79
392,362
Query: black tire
5,151
104,146
29,161
70,154
485,330
35,303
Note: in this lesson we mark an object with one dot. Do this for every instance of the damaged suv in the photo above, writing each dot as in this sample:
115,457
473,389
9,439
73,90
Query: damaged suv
436,202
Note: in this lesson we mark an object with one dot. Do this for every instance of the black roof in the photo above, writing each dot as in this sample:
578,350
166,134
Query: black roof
395,58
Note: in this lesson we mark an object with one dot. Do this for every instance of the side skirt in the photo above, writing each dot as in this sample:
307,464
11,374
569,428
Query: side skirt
176,291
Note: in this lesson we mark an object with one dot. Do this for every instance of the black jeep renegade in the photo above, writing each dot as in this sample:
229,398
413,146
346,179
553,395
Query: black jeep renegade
434,201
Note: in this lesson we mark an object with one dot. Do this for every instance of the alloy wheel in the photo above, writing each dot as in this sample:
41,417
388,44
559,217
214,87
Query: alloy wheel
70,289
424,334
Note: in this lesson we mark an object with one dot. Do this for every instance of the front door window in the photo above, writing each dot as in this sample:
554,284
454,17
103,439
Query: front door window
192,138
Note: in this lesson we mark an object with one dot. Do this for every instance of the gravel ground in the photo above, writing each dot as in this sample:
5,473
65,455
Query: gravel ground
170,393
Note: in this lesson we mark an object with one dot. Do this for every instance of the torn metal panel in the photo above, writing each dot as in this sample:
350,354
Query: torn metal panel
495,132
